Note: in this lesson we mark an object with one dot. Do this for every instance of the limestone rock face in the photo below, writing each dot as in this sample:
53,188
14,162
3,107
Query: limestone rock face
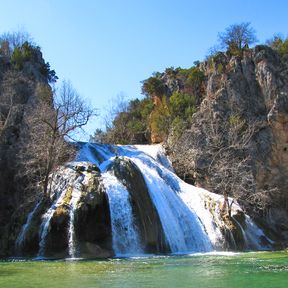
278,121
254,88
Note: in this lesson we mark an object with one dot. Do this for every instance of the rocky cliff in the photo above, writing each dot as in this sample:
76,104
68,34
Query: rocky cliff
19,90
243,110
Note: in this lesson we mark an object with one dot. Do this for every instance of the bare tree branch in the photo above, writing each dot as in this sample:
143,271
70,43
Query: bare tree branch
53,118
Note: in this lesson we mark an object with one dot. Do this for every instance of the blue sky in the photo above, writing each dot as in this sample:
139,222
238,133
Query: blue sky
106,47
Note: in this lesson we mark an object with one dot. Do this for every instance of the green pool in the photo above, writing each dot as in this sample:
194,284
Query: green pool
261,270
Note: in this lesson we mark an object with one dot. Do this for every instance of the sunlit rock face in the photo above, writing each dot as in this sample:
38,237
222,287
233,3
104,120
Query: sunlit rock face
254,87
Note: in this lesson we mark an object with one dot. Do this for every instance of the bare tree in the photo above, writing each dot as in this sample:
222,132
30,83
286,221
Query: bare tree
225,163
117,108
6,108
230,168
264,197
116,105
50,123
237,36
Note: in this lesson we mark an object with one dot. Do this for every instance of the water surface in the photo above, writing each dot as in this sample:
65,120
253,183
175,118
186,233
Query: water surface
249,270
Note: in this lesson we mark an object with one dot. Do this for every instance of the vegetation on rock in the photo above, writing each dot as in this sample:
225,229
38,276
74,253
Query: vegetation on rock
171,98
280,44
129,126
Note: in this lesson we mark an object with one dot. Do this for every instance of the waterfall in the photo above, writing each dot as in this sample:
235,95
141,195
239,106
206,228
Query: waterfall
157,152
22,235
254,235
76,194
195,199
188,225
192,196
246,244
182,228
45,225
125,237
188,217
58,188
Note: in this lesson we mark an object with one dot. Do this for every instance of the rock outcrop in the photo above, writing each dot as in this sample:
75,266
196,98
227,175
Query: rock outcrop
252,89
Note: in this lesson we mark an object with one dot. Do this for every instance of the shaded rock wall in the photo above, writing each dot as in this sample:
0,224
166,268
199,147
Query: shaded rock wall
92,220
18,90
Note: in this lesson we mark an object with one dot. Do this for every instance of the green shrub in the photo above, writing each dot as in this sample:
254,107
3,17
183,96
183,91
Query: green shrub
210,62
195,76
283,49
129,126
171,71
153,86
235,120
182,105
23,54
178,127
279,44
170,112
29,53
220,68
160,118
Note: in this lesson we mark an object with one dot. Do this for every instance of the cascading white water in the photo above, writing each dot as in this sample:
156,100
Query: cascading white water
125,237
188,221
246,244
45,225
182,228
76,194
192,196
59,188
22,235
254,235
157,152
